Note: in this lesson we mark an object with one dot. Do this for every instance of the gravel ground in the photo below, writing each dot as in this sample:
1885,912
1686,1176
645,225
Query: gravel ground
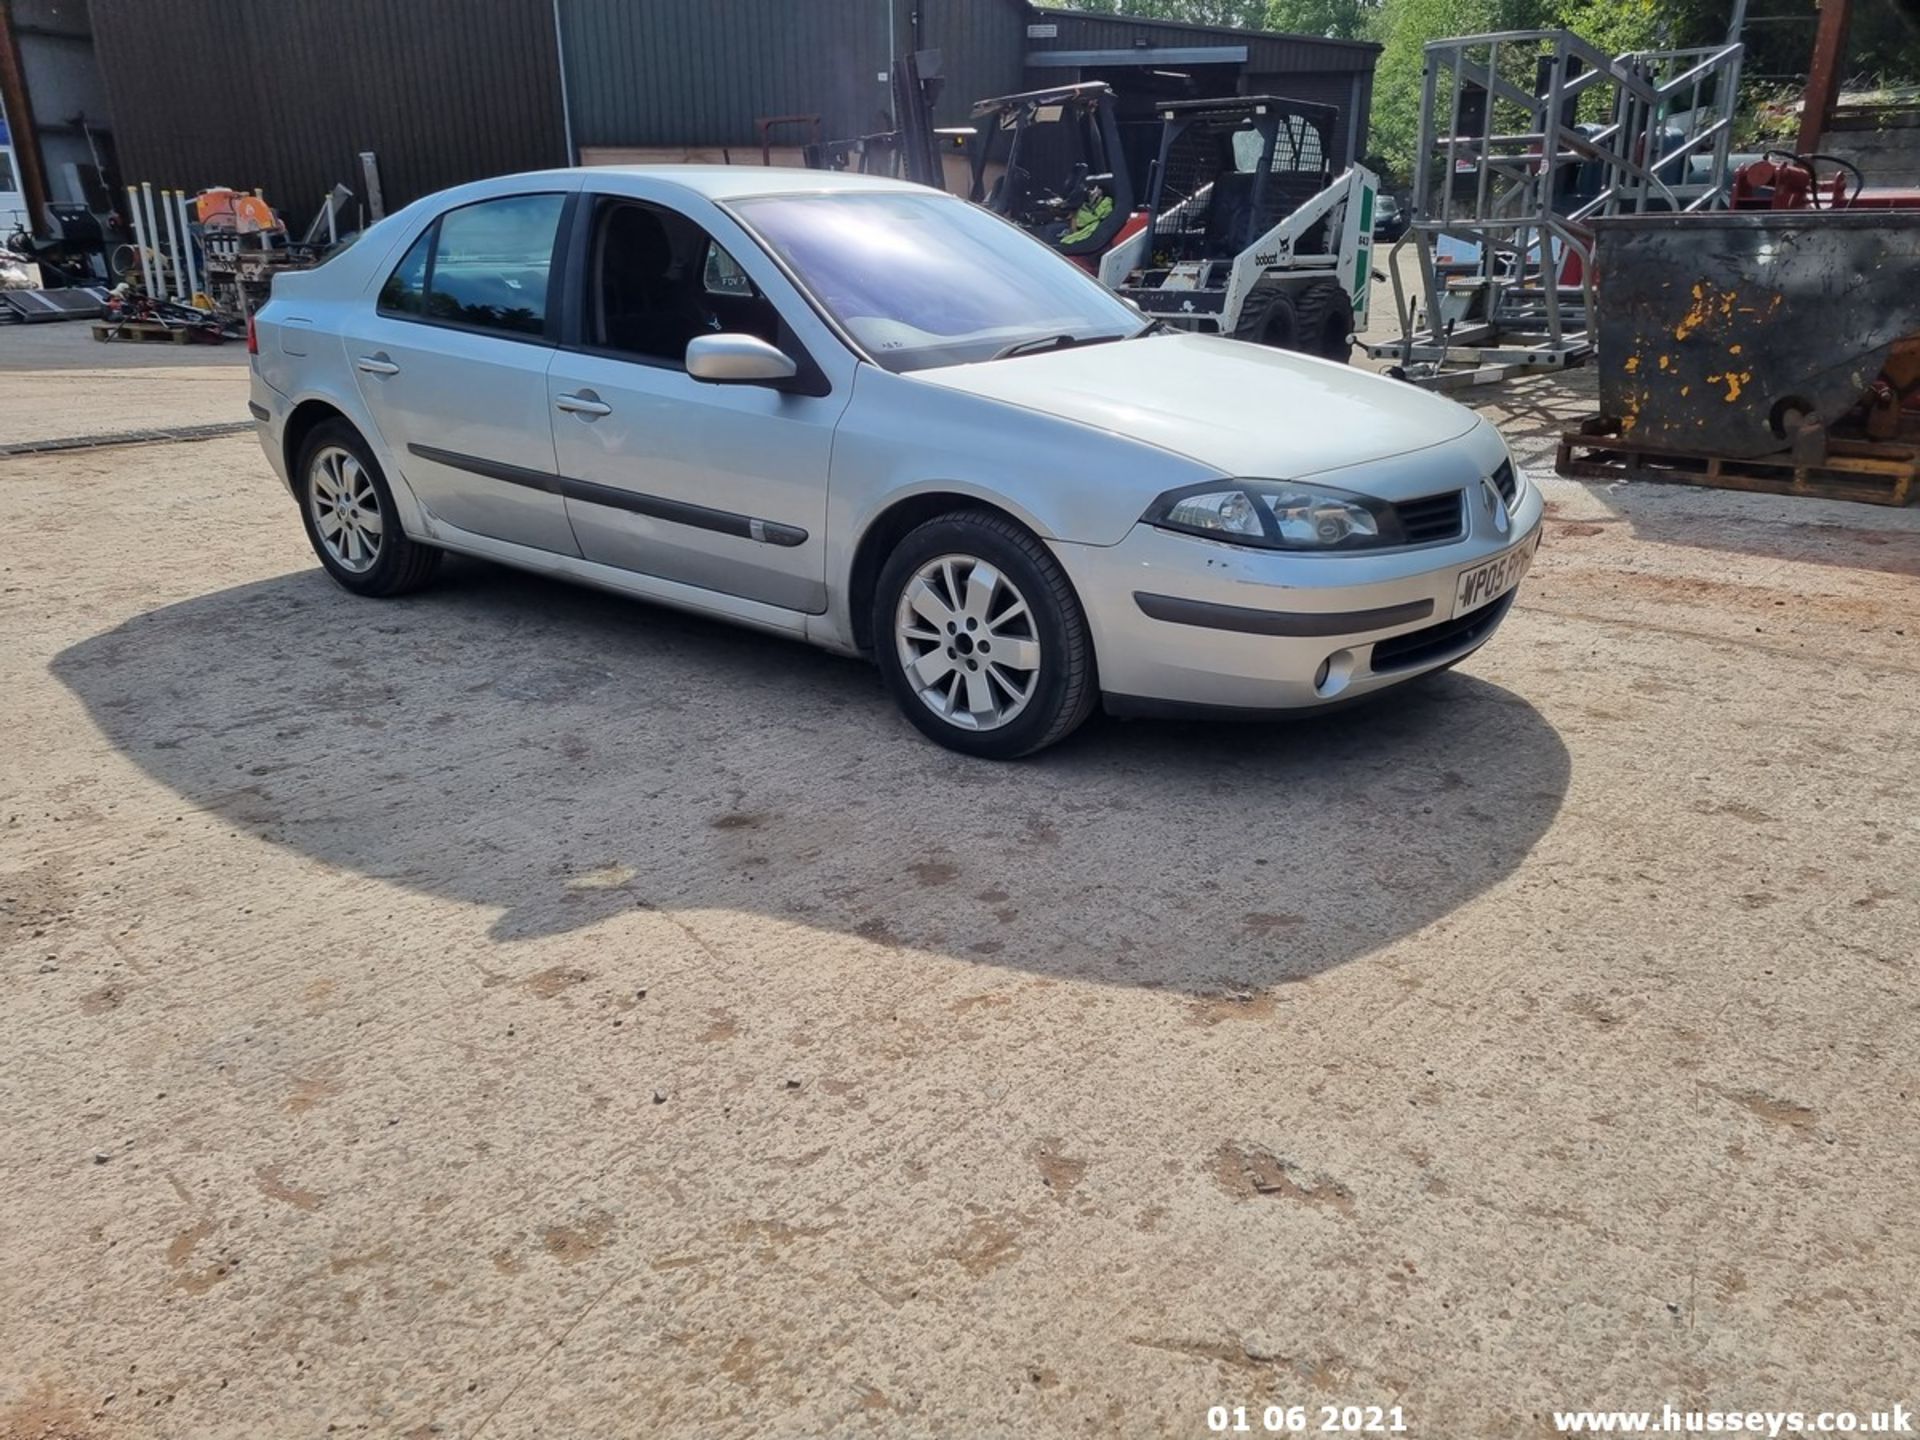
515,1011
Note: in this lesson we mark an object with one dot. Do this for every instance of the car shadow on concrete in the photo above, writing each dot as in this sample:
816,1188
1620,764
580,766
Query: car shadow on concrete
557,756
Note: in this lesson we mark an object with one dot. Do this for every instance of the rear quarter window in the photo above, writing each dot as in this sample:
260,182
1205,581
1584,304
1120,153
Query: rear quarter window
405,292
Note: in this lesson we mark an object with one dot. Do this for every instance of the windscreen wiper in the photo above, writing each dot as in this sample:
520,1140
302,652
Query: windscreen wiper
1036,344
1062,341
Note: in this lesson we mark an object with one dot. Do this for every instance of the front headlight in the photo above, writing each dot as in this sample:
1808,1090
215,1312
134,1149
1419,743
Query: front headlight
1277,515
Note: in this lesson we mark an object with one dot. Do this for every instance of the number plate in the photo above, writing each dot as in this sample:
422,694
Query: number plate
1486,583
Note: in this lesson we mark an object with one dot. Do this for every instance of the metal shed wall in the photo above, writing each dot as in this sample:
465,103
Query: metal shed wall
285,95
699,72
983,44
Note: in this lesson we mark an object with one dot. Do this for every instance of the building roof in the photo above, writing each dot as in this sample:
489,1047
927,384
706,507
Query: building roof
1087,19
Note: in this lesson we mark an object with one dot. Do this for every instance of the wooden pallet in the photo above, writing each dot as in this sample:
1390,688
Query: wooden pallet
153,331
1872,472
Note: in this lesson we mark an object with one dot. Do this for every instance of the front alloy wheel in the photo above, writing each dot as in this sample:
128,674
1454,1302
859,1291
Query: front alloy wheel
981,638
967,641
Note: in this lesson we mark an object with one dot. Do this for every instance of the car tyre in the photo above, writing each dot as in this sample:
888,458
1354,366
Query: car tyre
927,595
1325,319
350,518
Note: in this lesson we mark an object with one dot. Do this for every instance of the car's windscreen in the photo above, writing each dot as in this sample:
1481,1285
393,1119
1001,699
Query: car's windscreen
926,280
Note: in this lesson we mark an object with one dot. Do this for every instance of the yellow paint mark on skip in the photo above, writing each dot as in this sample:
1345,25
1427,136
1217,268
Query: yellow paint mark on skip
1633,364
1701,311
1733,349
1663,362
1735,380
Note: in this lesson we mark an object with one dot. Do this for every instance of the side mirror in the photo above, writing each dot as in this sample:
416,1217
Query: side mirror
737,360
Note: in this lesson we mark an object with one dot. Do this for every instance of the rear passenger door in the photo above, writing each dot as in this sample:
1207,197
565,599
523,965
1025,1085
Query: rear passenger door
451,360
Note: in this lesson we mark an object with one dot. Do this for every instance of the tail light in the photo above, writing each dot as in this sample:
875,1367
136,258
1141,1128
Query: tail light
253,337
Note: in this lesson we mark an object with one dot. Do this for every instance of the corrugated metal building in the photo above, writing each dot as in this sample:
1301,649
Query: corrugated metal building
698,73
284,96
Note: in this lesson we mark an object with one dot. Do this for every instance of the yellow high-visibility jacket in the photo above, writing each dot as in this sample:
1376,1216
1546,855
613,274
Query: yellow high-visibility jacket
1087,219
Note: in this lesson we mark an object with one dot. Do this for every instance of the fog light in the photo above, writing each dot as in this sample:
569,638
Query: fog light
1334,673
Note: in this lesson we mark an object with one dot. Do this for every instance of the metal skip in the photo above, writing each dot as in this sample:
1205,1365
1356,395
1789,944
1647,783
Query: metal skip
1735,332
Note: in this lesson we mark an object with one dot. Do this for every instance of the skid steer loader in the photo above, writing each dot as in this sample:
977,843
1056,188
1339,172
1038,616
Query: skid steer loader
1252,236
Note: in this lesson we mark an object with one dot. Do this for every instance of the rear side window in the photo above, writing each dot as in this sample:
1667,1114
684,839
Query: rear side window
405,292
485,266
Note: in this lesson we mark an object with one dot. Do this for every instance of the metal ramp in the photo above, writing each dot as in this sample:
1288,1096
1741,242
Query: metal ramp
77,303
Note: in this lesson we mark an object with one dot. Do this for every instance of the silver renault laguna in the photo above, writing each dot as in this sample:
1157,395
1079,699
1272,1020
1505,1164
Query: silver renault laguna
875,417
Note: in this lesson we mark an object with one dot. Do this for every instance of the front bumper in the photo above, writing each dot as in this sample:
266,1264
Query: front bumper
1182,623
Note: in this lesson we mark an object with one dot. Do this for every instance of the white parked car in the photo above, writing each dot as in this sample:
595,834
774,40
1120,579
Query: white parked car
877,418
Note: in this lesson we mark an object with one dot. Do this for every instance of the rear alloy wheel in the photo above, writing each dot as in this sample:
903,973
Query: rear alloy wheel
981,637
345,510
350,517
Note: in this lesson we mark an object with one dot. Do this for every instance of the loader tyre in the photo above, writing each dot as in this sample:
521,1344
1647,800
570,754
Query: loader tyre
1325,319
1269,318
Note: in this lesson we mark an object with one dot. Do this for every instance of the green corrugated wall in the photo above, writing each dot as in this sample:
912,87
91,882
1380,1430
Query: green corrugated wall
699,72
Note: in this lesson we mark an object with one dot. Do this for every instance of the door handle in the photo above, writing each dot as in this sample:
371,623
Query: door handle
585,403
376,365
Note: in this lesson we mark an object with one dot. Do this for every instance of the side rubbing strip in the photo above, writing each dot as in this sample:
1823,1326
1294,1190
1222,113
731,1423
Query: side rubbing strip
492,469
658,507
1247,621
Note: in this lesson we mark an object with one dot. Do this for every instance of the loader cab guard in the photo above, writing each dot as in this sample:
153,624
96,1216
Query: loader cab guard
1051,146
1230,169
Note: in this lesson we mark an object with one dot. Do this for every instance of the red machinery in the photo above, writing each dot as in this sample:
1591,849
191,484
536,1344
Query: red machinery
1782,180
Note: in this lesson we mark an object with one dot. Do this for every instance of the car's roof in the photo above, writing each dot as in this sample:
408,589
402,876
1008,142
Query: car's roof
740,182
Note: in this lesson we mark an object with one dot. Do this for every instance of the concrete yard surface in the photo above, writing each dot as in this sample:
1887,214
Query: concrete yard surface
60,383
514,1011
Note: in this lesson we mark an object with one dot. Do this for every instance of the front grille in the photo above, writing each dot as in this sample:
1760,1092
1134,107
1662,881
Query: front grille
1418,647
1430,518
1506,482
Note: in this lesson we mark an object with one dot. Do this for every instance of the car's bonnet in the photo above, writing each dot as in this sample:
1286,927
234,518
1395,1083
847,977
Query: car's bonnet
1245,409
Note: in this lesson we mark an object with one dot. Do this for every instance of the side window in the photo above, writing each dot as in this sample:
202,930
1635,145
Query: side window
405,292
659,280
491,262
723,273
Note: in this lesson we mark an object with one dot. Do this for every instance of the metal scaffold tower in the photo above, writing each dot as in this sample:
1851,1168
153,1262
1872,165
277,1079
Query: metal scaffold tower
1525,138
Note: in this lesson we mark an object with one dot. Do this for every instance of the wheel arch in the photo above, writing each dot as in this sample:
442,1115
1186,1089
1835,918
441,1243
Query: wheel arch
315,409
301,422
890,525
